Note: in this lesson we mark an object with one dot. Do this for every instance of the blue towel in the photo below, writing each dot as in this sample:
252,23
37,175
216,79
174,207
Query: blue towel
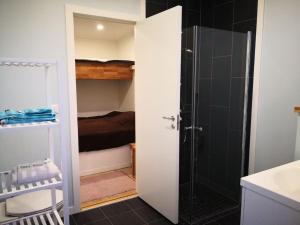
38,111
27,116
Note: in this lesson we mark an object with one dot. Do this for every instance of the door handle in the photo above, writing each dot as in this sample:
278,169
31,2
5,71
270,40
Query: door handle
191,128
172,118
195,128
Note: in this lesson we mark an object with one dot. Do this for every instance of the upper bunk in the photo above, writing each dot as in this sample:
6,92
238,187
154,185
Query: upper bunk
104,70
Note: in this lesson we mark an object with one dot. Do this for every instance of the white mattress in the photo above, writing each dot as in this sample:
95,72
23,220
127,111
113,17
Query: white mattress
104,160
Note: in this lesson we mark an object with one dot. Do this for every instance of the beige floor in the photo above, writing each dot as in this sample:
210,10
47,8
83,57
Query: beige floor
116,197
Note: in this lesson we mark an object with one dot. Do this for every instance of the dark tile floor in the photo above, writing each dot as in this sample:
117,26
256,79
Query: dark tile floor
208,206
133,212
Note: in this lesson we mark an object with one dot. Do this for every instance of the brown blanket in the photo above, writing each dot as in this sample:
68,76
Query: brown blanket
109,131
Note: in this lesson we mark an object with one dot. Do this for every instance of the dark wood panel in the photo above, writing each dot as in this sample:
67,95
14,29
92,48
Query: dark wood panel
111,70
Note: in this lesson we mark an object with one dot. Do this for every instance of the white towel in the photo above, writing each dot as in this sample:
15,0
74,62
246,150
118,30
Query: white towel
37,171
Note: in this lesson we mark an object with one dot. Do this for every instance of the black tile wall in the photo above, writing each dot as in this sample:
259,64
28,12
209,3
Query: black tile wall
154,8
234,168
207,8
202,155
237,103
245,26
239,48
206,51
221,81
223,16
191,10
222,42
244,10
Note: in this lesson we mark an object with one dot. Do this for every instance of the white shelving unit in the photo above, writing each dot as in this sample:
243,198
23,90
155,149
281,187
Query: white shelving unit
46,218
29,125
7,189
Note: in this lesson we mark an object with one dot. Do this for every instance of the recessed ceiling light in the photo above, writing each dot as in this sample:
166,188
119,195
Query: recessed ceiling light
100,27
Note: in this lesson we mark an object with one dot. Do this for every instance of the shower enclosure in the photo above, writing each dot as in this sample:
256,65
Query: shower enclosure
214,100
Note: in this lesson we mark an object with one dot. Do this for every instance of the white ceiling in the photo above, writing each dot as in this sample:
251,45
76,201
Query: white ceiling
86,28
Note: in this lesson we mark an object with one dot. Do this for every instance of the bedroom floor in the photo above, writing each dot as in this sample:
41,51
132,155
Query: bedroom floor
107,186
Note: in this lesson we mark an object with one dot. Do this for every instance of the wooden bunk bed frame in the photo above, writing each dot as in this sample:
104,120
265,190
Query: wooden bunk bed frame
108,70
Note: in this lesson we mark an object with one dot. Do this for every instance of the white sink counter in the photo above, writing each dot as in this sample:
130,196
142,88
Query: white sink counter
281,184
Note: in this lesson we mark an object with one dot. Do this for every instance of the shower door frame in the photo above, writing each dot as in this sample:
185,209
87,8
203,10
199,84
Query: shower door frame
193,127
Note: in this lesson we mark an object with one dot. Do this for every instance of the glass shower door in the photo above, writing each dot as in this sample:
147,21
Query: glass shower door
213,109
186,103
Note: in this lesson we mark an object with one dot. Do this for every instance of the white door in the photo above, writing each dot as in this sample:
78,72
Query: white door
157,91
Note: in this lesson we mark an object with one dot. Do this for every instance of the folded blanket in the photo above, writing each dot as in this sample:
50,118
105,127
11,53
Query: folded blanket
27,116
37,171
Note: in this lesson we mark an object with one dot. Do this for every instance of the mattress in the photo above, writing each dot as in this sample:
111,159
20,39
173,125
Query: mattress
109,131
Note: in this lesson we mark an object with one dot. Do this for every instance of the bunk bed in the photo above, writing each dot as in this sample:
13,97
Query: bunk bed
112,130
104,140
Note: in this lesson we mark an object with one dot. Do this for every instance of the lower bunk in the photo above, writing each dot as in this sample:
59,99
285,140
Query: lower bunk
106,157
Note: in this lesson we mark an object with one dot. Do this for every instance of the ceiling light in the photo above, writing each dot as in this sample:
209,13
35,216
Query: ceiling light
100,27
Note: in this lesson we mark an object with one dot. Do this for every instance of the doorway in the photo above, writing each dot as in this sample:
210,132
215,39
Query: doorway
104,60
157,98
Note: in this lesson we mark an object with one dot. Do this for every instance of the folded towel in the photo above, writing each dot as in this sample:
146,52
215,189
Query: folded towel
38,111
37,171
26,120
27,116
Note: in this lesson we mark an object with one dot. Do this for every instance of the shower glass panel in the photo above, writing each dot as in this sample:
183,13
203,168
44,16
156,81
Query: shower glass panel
214,92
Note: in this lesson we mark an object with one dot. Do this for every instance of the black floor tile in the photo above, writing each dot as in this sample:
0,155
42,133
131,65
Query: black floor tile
126,218
101,222
161,222
89,216
136,203
208,207
115,209
233,219
137,212
149,214
212,223
72,220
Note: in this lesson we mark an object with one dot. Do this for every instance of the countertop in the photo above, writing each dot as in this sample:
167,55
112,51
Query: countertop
281,184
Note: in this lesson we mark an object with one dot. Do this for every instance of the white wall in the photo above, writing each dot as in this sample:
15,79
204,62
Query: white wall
126,51
36,29
96,49
97,96
276,85
126,95
297,146
102,96
125,47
